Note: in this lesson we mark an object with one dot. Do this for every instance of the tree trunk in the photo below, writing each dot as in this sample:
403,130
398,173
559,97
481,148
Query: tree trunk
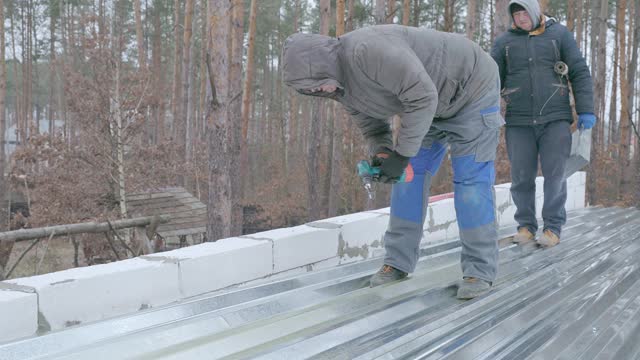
183,122
579,24
82,228
544,5
502,18
219,144
119,141
599,48
142,55
613,104
246,93
449,13
177,75
202,112
158,74
571,14
391,9
235,113
340,17
601,77
315,134
191,104
52,69
18,89
350,17
29,67
624,159
416,13
472,14
293,97
5,247
379,12
406,13
339,118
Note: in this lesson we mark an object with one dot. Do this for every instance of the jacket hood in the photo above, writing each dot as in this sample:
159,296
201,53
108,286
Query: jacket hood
532,7
310,61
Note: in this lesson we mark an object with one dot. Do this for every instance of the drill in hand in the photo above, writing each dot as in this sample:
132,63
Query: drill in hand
369,174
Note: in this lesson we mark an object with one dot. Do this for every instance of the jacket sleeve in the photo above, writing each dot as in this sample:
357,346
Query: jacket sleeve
497,54
377,132
579,74
398,70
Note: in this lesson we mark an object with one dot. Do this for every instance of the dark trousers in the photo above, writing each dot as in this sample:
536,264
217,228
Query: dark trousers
551,142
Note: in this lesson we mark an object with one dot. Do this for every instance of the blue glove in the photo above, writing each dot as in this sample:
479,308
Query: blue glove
586,121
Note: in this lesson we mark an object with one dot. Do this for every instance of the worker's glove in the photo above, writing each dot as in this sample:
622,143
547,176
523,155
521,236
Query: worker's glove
381,154
392,168
586,121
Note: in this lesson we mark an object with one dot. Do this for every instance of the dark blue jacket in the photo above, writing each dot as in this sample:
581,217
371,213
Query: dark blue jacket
533,91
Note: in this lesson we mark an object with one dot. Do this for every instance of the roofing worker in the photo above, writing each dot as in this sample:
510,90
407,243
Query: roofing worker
537,58
445,88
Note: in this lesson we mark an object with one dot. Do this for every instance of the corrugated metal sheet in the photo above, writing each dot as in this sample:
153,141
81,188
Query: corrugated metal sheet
579,300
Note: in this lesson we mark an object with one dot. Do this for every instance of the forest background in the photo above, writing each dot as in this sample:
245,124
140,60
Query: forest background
103,98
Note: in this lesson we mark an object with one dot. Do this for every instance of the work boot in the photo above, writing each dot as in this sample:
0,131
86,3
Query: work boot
548,239
385,275
523,236
472,287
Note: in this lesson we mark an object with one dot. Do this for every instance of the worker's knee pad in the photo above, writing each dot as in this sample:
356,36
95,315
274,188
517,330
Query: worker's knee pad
473,191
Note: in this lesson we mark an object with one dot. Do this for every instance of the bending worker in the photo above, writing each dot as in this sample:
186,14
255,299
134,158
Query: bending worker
446,90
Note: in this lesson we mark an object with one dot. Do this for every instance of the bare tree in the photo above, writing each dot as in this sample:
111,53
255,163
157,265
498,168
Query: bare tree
219,144
544,5
599,48
449,13
339,118
379,12
351,5
579,23
142,55
54,13
5,247
315,135
182,123
501,18
391,10
294,120
177,70
235,110
624,160
247,92
157,109
406,7
571,14
472,14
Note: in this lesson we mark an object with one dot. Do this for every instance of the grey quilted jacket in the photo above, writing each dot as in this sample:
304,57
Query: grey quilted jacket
391,69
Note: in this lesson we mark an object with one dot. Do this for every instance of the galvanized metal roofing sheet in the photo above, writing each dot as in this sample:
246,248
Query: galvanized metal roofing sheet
578,300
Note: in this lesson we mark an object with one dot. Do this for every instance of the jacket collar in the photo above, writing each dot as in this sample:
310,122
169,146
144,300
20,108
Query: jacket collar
544,23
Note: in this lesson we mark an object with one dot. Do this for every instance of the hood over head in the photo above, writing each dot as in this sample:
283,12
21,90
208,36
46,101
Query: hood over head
531,6
310,61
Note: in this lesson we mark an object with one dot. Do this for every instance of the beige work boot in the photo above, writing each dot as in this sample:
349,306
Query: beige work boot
548,239
523,236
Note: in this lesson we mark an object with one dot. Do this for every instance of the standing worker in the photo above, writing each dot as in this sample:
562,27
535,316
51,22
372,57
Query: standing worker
537,58
446,90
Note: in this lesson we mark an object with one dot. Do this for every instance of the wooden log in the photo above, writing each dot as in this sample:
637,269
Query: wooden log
70,229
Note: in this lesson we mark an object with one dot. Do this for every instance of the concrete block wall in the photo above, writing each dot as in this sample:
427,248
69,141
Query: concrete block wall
58,300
